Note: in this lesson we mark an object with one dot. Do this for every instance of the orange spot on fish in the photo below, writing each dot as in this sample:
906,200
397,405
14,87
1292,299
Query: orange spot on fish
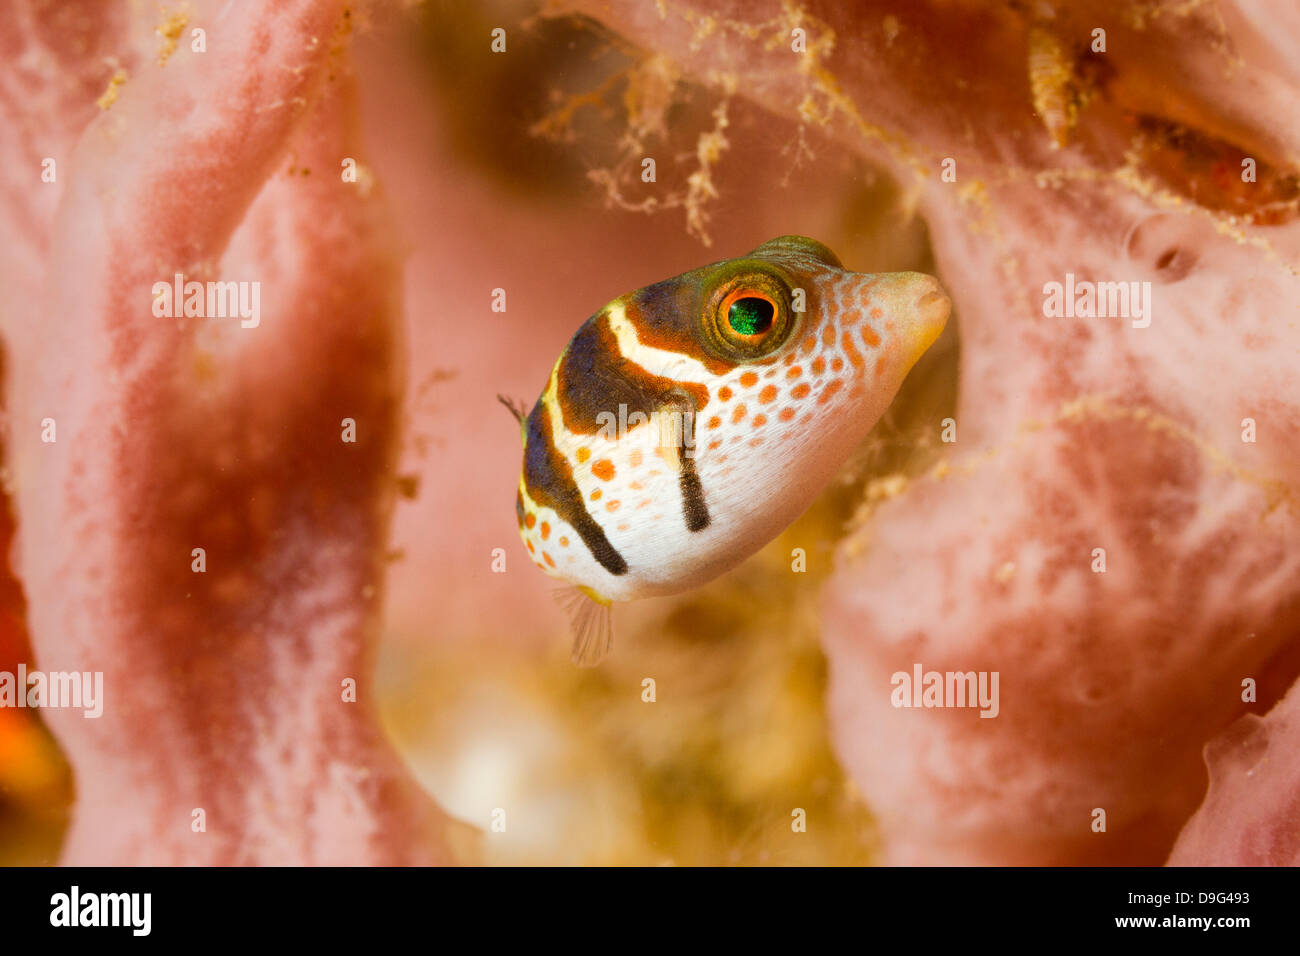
869,336
880,365
794,372
564,542
854,355
716,443
876,313
837,364
635,486
786,414
549,559
624,527
595,495
603,469
801,390
531,519
634,459
809,343
738,415
724,393
833,386
828,335
583,455
760,420
613,504
818,365
768,394
531,549
546,530
749,380
714,422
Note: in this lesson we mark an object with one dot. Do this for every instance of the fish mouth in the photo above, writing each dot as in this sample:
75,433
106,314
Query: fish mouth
934,308
930,312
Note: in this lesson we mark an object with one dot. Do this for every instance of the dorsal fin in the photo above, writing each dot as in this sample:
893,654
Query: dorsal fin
516,410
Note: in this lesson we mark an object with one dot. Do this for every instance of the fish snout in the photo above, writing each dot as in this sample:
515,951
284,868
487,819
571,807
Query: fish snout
930,310
919,307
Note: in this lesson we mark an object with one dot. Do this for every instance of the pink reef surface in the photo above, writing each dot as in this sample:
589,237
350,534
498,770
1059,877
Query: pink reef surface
225,690
1252,813
1117,688
1072,434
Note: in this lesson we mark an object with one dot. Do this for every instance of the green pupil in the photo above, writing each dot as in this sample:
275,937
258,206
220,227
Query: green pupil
750,316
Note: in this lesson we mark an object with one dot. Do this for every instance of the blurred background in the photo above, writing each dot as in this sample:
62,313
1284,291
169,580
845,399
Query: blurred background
505,140
35,783
522,172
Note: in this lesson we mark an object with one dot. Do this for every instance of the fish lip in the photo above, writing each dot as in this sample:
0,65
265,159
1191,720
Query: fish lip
933,298
933,309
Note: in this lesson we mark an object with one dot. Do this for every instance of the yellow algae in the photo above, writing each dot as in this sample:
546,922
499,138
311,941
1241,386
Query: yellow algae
169,32
1052,84
109,96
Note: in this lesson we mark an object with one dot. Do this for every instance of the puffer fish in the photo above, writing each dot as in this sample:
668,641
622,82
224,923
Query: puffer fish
686,424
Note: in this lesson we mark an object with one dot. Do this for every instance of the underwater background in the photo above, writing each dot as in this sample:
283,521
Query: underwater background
521,171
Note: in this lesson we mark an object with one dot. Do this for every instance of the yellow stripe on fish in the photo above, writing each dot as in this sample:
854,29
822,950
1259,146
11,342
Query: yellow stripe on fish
687,423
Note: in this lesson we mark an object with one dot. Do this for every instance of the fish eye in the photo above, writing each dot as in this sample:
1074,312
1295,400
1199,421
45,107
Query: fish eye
750,313
750,317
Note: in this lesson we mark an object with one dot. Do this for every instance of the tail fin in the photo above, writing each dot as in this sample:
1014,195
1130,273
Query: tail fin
592,619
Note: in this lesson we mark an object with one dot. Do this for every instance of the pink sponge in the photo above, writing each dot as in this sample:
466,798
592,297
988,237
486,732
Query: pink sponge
208,526
1251,815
